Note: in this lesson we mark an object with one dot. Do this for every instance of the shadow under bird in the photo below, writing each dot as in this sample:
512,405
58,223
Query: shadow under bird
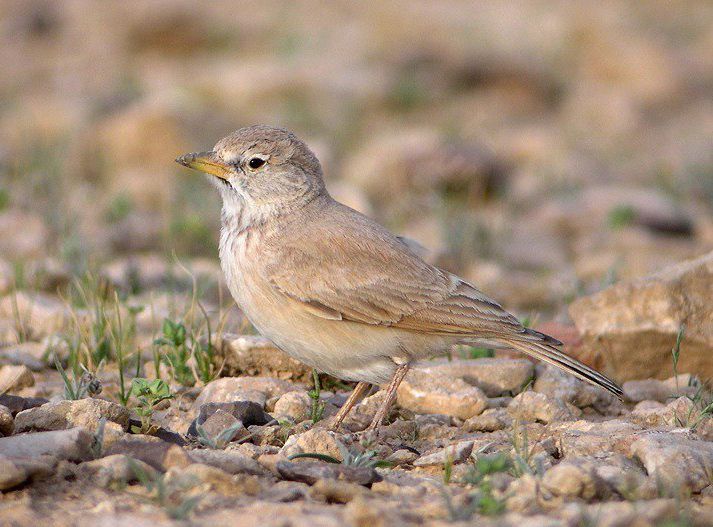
333,288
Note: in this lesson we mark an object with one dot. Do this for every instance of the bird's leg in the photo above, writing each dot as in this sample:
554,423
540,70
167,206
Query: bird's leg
399,375
357,393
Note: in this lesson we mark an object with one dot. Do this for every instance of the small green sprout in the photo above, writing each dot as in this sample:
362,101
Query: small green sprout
148,394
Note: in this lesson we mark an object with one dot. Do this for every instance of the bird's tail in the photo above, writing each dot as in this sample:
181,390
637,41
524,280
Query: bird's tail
544,348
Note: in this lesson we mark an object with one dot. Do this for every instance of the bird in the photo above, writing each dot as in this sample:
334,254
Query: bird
333,288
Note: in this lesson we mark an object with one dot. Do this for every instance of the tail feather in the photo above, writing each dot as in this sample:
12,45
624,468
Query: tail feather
544,349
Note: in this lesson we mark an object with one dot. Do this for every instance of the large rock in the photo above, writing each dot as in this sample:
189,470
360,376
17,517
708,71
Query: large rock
495,376
629,329
428,391
534,406
61,415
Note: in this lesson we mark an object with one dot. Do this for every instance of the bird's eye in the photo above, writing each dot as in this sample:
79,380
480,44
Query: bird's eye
256,162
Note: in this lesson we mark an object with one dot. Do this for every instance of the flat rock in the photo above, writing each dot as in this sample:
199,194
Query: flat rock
75,444
424,391
491,420
13,378
636,323
573,480
495,376
61,415
311,471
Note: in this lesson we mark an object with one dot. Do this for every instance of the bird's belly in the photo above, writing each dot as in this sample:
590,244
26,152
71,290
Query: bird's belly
347,350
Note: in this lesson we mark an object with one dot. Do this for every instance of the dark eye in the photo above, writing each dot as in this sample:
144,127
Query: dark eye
256,162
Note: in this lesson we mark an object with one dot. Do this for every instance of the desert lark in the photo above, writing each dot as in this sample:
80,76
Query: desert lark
333,288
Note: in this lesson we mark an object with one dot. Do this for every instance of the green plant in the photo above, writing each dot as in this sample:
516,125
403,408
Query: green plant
167,495
621,216
317,409
148,394
79,386
220,441
173,339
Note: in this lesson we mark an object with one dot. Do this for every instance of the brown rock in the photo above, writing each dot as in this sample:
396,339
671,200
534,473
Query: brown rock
494,376
573,480
229,389
629,329
313,441
152,451
6,421
676,460
310,472
427,392
295,406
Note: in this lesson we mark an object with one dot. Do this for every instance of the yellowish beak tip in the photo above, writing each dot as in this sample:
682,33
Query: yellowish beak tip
207,162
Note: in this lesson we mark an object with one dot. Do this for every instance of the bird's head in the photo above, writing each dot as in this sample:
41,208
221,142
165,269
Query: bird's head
260,167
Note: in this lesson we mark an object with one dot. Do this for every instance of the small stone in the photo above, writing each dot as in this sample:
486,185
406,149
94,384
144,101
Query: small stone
313,441
117,469
426,392
61,415
247,412
295,406
311,471
7,423
491,420
402,456
229,389
13,378
152,451
75,444
455,454
220,421
572,481
533,406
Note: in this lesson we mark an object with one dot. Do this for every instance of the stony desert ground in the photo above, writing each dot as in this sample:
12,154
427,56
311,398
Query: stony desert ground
558,155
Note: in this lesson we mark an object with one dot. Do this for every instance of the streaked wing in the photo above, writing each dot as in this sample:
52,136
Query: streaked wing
356,270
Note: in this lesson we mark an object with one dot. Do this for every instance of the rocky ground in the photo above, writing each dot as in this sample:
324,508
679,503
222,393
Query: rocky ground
556,154
230,429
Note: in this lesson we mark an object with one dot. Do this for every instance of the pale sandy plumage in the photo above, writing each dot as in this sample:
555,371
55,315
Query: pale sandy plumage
332,287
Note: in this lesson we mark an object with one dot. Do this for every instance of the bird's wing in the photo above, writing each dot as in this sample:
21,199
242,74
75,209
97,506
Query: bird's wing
356,270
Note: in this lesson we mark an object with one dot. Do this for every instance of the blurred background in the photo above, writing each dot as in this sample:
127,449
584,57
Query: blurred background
543,150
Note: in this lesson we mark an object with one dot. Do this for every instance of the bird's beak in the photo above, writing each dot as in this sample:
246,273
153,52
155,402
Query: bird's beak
207,162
